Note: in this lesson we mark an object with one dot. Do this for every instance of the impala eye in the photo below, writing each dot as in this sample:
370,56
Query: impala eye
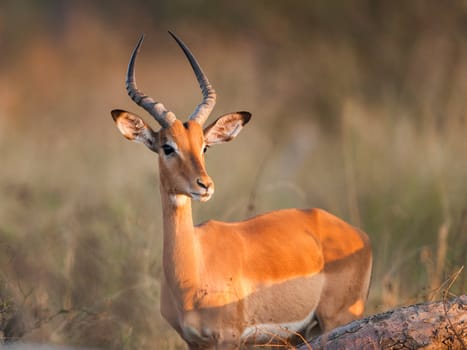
168,150
205,149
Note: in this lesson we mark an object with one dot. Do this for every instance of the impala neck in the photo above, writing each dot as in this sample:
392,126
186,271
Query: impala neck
180,249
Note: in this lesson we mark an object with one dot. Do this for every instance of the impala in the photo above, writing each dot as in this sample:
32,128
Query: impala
266,280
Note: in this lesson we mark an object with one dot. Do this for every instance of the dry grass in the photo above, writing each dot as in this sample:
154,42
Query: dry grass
378,138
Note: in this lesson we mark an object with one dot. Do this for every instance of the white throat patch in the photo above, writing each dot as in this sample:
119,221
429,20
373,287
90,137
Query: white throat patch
178,200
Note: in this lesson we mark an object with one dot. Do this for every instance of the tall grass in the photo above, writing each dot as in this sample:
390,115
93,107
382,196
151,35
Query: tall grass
377,137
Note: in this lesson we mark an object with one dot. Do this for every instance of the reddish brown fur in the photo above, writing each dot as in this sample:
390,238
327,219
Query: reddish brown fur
226,284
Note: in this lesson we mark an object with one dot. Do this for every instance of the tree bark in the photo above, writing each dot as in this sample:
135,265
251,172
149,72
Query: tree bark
434,325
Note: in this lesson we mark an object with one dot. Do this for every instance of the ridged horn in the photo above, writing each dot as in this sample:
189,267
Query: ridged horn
202,111
163,116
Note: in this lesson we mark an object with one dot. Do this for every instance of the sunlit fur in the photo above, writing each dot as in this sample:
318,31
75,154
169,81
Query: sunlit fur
231,285
267,280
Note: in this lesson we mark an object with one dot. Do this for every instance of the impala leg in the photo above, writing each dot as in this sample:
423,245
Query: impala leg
353,277
311,330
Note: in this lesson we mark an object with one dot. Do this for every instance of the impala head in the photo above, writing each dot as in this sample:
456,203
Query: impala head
180,146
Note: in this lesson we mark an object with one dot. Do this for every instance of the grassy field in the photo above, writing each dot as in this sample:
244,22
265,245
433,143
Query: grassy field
365,118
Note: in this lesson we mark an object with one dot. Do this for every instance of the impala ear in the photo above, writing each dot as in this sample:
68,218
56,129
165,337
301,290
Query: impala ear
135,129
225,128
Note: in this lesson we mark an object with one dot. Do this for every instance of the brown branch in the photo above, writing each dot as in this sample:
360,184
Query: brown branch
453,279
434,325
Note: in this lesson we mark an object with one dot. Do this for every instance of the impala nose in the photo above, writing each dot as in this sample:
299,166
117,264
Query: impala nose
204,183
207,186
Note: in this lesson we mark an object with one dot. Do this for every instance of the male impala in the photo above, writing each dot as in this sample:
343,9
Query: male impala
265,280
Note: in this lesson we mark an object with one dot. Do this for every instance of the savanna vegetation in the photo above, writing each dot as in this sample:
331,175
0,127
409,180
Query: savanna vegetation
358,107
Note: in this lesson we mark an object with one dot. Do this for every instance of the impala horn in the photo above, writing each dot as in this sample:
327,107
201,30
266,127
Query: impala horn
202,111
163,116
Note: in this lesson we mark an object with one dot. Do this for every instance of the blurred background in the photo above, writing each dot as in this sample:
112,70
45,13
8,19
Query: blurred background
359,107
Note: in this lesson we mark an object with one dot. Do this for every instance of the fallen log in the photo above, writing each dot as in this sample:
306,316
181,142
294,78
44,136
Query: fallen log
433,325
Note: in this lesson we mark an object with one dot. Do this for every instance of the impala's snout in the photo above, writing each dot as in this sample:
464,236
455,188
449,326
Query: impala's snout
205,189
203,183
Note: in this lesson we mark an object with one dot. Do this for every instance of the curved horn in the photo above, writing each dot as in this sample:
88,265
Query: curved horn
202,111
164,117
